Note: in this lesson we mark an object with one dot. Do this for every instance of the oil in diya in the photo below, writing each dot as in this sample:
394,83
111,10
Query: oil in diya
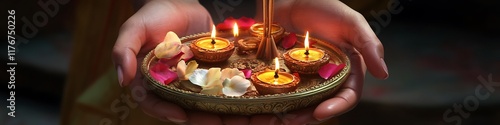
212,49
274,82
305,60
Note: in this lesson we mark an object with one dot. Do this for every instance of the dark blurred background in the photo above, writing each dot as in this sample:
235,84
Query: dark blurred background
437,51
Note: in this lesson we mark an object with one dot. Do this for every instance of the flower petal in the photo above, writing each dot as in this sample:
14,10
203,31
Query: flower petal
245,23
213,76
172,38
247,72
289,41
227,24
170,46
191,66
328,70
236,86
162,73
171,61
188,54
231,72
214,84
181,70
213,89
199,77
296,75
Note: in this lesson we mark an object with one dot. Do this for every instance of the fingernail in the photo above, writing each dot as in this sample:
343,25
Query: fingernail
176,120
120,75
385,68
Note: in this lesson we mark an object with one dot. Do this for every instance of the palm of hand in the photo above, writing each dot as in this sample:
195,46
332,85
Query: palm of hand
141,33
338,24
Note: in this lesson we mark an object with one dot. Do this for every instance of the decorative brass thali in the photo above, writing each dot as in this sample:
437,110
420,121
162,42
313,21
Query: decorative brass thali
311,90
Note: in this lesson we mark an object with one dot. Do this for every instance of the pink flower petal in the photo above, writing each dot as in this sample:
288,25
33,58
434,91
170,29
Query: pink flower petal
172,61
161,72
289,41
329,70
188,54
247,72
245,23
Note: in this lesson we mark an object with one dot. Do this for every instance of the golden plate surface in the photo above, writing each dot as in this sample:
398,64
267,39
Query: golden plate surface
312,89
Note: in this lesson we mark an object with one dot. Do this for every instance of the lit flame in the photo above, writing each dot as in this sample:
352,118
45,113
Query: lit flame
276,64
235,30
276,70
306,41
213,32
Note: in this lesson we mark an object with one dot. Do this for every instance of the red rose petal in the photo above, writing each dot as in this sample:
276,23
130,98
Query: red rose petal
296,74
289,41
162,73
172,61
245,23
247,72
223,26
227,24
328,70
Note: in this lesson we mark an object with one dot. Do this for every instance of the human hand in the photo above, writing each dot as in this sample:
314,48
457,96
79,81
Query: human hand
141,33
335,22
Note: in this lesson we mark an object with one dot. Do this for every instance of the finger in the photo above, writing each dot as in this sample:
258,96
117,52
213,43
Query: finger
203,118
267,119
365,40
348,95
235,120
156,107
300,117
127,46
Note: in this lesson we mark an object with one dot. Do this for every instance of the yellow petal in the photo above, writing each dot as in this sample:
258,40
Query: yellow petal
181,70
191,66
213,89
213,76
170,46
171,37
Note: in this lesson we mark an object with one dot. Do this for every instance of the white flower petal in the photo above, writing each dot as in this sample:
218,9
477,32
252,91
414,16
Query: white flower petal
199,77
236,86
231,72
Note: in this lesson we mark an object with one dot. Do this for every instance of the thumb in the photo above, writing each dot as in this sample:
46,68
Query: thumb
128,44
367,43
